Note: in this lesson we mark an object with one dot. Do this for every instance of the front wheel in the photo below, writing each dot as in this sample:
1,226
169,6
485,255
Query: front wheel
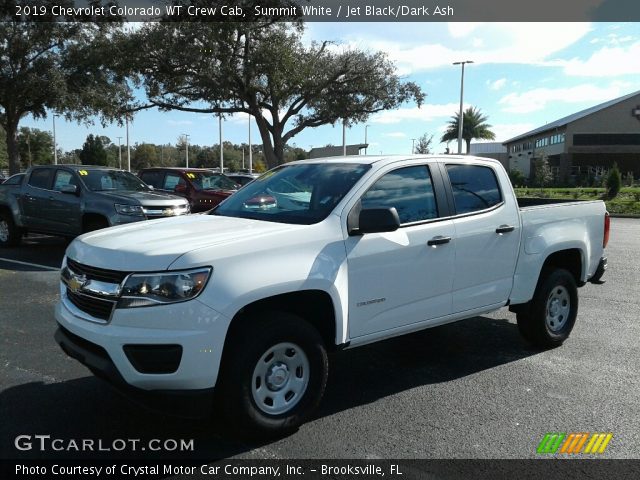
548,319
10,234
273,375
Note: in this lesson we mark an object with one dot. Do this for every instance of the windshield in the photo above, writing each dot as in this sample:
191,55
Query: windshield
300,193
99,180
211,181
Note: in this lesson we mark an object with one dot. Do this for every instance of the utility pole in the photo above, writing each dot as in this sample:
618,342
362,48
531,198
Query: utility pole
221,147
128,146
55,143
186,146
413,146
250,148
365,138
120,153
460,119
344,137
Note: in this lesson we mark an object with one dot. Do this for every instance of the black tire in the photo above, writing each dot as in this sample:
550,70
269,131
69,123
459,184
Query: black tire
10,234
547,320
94,224
248,345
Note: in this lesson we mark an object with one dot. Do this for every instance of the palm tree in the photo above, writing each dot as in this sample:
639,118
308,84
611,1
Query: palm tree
473,126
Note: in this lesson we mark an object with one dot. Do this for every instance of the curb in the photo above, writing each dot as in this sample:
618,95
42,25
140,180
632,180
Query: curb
624,215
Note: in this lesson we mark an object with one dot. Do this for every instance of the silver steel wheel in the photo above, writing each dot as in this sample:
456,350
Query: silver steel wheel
280,378
4,231
558,308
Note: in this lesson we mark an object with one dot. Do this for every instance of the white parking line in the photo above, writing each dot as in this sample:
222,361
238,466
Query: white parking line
46,267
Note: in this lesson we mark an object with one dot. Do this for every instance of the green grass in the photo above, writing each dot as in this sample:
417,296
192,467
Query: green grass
626,202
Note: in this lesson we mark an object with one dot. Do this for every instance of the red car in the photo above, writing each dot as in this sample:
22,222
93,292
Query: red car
203,188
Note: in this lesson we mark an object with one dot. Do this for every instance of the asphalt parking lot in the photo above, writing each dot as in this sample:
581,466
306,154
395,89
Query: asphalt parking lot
467,390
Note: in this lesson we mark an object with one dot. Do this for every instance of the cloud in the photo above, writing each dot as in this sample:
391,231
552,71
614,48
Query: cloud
492,43
395,134
606,62
538,98
177,123
427,113
505,131
498,84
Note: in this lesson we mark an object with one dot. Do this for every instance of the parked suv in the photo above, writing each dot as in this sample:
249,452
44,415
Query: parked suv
68,200
203,188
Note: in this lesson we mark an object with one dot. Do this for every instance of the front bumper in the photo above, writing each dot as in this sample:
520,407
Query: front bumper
168,347
186,403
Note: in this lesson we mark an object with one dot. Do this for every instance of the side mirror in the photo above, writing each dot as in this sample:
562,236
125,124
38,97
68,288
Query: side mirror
180,188
377,220
71,189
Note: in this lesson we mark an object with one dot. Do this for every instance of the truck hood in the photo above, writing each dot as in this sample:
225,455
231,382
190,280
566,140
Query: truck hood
145,198
155,244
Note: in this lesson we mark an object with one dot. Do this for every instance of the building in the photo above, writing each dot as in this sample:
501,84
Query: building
586,143
336,151
495,150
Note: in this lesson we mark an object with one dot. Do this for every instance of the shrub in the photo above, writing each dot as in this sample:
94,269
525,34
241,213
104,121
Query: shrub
614,182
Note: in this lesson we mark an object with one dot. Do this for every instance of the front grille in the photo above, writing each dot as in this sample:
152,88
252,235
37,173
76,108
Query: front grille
94,306
160,211
100,274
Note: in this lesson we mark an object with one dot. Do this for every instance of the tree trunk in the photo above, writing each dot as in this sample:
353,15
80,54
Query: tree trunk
11,129
270,154
468,140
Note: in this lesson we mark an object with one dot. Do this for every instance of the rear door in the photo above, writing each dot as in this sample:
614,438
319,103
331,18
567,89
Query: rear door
35,198
487,231
401,278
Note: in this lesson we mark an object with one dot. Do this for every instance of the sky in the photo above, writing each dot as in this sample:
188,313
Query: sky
523,76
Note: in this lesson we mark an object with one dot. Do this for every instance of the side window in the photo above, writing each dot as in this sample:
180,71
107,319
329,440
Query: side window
409,190
171,180
41,178
474,187
153,178
64,178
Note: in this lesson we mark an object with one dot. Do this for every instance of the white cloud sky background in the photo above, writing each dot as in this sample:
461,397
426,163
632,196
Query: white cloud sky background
524,75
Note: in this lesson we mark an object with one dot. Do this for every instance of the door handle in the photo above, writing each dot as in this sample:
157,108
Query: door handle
505,229
439,240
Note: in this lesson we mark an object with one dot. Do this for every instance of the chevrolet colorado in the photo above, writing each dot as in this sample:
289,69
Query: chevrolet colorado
250,297
68,200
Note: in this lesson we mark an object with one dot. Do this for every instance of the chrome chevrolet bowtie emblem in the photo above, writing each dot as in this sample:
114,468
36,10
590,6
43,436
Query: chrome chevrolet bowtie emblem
76,282
167,212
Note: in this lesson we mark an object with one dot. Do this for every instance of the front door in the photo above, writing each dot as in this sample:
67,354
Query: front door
402,277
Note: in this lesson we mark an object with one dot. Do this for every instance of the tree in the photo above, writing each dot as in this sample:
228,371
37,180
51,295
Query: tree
93,152
56,66
267,71
542,174
423,146
144,156
473,126
36,146
614,182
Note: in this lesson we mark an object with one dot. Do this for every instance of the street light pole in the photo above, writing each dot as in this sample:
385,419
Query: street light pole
186,145
365,138
120,153
460,118
55,143
413,146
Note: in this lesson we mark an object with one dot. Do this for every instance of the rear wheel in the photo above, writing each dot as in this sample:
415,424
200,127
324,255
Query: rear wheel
549,317
273,375
10,234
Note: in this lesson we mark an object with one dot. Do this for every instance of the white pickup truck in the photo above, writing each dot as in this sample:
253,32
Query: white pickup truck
315,256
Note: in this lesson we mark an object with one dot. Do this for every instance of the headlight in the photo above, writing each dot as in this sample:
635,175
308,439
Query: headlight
145,289
129,209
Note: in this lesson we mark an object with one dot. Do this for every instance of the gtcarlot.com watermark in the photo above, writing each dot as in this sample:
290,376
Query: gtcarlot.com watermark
45,443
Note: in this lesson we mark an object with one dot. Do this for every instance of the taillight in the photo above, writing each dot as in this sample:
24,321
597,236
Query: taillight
607,227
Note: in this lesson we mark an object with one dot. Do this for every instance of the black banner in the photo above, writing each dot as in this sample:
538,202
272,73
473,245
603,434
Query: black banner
327,10
325,469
